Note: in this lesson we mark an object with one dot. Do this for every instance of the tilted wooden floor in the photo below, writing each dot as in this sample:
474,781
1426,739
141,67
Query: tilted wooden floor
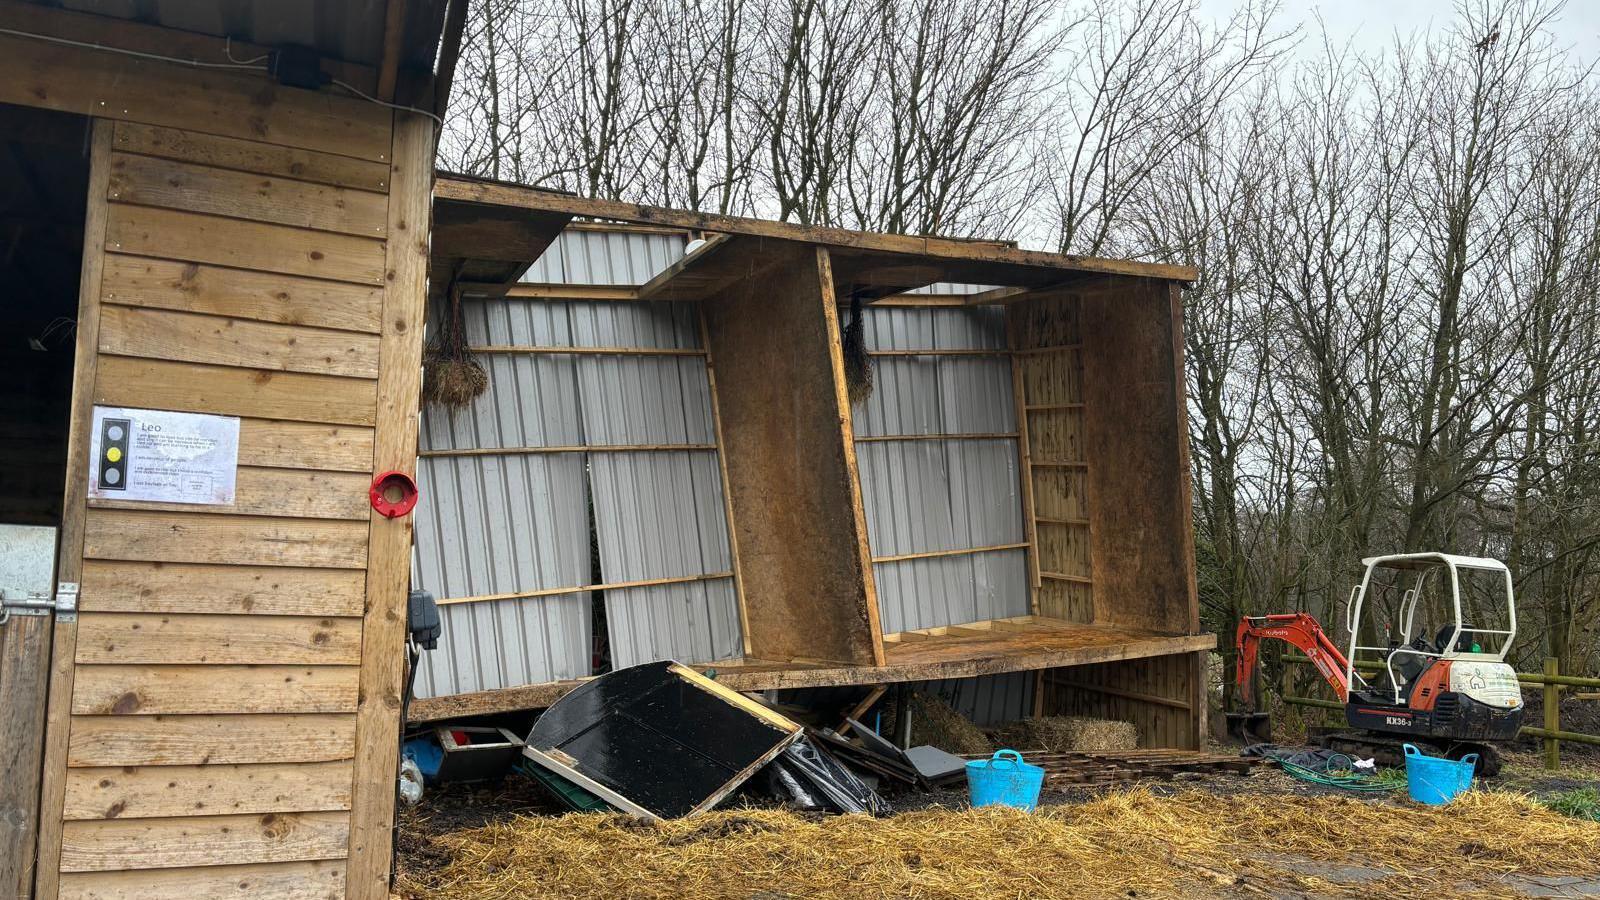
1020,644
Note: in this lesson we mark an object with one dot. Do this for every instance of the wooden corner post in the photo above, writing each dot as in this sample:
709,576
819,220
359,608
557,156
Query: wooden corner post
389,546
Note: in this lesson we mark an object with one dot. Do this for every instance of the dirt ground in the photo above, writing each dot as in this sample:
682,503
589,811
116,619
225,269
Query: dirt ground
1265,834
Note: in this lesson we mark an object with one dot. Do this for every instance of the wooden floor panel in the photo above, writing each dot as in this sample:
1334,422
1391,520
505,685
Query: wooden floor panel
960,651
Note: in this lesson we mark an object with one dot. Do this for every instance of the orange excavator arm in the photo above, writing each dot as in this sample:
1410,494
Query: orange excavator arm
1299,629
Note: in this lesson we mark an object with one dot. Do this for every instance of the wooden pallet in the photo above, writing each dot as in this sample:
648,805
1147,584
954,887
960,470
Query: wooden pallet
1089,767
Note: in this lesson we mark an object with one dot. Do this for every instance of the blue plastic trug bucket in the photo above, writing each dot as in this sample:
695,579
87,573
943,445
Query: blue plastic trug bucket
1436,781
1004,780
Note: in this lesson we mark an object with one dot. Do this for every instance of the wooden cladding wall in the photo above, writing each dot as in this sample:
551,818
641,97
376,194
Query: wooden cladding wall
222,714
1163,696
1047,368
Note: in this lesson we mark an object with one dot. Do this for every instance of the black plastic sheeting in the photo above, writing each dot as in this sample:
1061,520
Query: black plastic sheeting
805,775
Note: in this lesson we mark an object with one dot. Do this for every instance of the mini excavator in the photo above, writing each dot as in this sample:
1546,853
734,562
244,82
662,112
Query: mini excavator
1448,688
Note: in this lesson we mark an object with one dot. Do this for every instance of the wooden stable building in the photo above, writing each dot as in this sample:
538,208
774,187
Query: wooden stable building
216,216
208,702
687,412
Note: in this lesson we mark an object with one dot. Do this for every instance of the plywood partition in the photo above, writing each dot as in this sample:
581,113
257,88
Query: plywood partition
792,485
1135,439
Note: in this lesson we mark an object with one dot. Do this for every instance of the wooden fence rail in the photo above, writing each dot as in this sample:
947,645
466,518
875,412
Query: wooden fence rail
1550,679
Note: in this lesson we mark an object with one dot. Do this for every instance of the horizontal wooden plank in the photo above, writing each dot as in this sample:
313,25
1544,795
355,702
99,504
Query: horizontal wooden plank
310,880
201,740
237,104
251,156
294,493
202,841
99,690
194,237
144,792
240,293
237,540
192,337
206,638
114,586
194,387
171,184
304,445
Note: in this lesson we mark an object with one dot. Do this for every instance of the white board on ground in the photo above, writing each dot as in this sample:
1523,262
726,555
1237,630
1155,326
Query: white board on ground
163,457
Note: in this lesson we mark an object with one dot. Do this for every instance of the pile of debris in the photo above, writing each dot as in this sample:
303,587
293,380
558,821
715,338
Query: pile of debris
661,741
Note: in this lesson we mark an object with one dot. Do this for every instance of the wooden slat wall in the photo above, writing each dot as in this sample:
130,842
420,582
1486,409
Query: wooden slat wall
1049,377
1127,691
241,261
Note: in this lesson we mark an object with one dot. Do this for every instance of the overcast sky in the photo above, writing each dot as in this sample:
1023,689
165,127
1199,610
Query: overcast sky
1372,24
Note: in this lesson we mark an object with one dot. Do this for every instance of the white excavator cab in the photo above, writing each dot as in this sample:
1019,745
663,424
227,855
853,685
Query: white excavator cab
1414,608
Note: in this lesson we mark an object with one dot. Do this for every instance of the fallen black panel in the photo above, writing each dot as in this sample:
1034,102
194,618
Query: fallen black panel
658,739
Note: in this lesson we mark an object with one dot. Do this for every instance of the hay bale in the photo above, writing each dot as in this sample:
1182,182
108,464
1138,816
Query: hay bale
934,722
1055,734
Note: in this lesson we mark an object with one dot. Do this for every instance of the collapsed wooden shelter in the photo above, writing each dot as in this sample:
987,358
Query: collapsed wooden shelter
205,697
1076,431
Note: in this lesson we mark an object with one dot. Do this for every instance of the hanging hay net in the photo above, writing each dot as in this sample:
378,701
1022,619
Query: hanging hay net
1058,734
1126,844
857,363
450,376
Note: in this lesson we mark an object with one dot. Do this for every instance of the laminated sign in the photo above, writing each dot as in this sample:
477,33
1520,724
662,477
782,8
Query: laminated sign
163,457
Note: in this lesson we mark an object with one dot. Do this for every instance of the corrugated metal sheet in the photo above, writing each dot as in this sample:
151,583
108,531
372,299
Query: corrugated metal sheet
661,515
516,522
605,257
923,496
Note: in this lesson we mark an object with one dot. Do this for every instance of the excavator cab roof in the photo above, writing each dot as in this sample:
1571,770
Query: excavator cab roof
1425,560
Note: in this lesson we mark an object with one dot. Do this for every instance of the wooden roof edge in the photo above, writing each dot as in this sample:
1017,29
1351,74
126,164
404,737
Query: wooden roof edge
467,189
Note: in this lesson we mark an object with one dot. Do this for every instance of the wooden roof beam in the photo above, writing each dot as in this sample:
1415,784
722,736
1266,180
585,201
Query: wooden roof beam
1031,266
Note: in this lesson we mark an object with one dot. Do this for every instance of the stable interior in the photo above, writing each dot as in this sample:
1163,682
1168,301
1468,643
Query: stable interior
1038,399
44,174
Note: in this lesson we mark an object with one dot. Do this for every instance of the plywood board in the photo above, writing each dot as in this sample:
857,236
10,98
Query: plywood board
202,841
213,739
156,587
796,511
240,293
142,792
210,638
1137,442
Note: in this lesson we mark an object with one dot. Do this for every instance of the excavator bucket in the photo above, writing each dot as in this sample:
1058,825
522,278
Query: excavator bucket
1250,727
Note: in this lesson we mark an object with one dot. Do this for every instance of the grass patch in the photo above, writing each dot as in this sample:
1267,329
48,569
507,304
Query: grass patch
1580,803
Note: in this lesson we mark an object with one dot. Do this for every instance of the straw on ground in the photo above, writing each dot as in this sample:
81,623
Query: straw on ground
1128,844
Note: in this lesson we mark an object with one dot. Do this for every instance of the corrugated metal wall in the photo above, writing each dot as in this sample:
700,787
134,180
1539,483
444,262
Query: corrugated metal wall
932,495
508,523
